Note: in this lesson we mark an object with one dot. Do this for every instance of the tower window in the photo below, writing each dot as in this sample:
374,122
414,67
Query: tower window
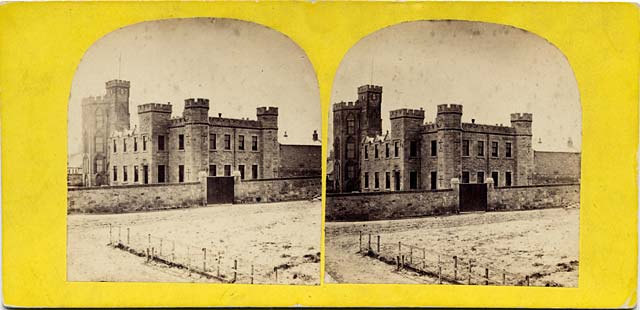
351,124
351,172
160,143
375,151
124,145
396,149
494,149
434,148
144,143
351,150
160,173
254,171
366,180
386,150
254,143
507,178
115,147
180,173
241,142
180,142
99,144
465,147
480,148
227,142
212,141
135,144
413,149
507,147
115,173
413,180
434,179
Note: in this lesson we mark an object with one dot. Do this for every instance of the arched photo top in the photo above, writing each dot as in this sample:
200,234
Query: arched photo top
237,65
491,70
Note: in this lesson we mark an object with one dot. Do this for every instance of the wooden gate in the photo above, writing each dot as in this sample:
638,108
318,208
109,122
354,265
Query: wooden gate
219,190
473,197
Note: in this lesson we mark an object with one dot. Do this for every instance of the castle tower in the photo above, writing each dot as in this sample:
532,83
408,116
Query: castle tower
154,119
370,98
521,122
347,122
268,118
405,126
449,124
118,94
196,138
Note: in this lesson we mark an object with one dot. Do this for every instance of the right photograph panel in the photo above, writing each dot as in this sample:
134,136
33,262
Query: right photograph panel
454,158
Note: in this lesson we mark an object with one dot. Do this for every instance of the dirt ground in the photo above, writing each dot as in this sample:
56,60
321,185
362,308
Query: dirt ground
542,244
261,235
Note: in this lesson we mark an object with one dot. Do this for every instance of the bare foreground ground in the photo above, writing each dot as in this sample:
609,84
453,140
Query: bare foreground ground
284,235
542,244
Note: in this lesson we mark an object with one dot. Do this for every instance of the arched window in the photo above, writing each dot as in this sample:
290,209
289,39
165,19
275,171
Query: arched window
99,146
99,118
351,124
336,148
351,148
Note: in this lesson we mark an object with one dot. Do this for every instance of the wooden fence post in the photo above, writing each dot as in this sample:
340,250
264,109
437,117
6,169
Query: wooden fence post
153,253
204,259
369,246
527,278
235,270
128,236
147,255
275,270
110,239
378,244
251,274
149,235
173,250
455,268
397,262
424,258
360,246
399,248
160,251
411,256
439,274
469,273
219,259
504,278
119,234
486,276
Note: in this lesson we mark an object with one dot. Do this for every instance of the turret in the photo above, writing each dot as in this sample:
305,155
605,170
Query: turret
118,94
522,122
268,117
370,97
196,111
449,124
449,116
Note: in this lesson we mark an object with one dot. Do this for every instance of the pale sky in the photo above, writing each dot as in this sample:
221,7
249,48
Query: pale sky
492,70
237,65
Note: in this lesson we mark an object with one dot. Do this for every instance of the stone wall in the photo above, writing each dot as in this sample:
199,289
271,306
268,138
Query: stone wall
133,198
282,189
533,197
300,160
390,205
556,167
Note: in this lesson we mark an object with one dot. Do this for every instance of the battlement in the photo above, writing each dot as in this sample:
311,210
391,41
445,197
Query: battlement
196,103
267,111
521,117
121,83
410,113
154,107
449,109
369,88
233,122
93,99
346,105
490,129
177,122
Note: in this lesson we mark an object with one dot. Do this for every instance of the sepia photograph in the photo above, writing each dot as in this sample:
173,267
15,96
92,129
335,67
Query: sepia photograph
194,155
454,157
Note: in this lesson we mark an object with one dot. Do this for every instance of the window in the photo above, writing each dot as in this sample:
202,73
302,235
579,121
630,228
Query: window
180,173
366,180
241,142
351,150
351,172
99,119
144,143
434,180
227,170
507,178
241,168
494,149
413,180
124,174
254,171
413,149
124,145
396,149
480,148
254,143
135,144
212,141
376,181
227,142
180,142
115,173
386,150
465,177
161,143
434,148
99,166
213,171
480,177
135,173
397,179
351,124
387,180
160,173
465,147
366,152
99,144
494,176
115,147
375,151
507,151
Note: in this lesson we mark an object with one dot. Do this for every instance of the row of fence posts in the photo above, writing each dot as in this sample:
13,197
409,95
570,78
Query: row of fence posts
401,262
150,254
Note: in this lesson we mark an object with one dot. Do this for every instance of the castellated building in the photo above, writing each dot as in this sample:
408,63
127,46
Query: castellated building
417,155
163,149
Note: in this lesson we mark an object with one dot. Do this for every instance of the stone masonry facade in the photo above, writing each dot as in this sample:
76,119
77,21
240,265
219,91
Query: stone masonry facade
163,149
415,155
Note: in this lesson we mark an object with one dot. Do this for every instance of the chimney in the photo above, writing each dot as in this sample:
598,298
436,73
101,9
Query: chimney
315,135
285,134
473,121
219,115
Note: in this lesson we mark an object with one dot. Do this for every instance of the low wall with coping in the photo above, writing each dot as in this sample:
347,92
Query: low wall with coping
390,205
280,189
533,197
134,198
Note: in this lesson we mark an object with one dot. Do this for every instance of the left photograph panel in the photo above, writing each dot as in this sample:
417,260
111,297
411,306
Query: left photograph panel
194,156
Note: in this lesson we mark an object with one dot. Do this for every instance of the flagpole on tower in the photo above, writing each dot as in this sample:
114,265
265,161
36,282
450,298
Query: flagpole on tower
119,64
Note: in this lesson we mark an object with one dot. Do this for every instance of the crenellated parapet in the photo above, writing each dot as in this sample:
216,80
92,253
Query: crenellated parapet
490,129
521,117
118,83
346,105
177,122
267,111
154,107
370,89
408,113
196,103
235,123
449,109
